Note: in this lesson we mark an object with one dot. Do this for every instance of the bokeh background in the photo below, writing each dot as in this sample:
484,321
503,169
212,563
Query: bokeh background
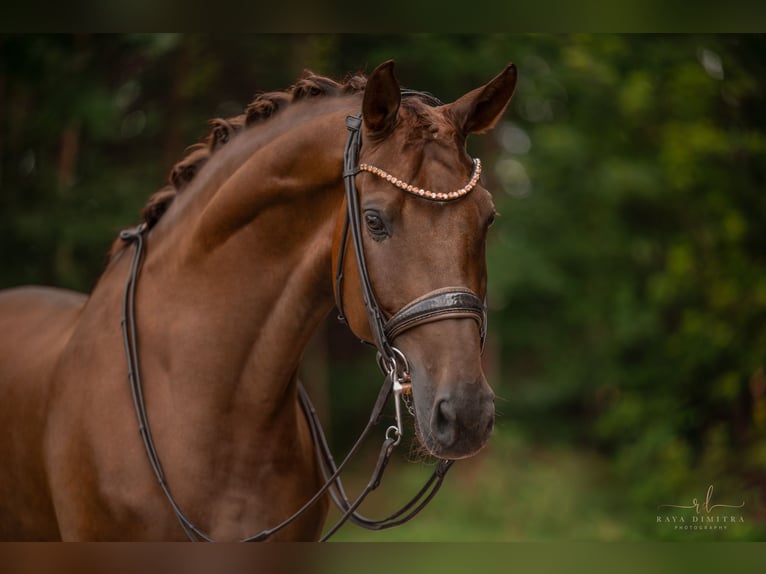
627,270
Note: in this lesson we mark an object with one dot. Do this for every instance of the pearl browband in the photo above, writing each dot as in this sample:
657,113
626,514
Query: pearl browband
415,190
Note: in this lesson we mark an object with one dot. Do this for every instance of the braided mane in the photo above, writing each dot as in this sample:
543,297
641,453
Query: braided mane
263,106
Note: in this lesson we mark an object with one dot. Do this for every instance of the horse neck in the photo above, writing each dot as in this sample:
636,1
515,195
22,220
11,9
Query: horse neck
238,280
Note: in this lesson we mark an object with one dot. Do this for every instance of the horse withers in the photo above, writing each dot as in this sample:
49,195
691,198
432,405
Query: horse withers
245,252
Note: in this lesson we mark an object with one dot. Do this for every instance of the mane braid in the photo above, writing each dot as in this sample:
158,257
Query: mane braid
223,130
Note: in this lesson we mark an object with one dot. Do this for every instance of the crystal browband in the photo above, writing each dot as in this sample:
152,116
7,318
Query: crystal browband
415,190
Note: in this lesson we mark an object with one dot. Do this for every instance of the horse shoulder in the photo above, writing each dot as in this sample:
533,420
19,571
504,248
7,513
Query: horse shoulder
35,324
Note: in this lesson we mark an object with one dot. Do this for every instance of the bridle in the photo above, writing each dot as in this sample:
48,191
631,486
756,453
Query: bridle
445,303
436,305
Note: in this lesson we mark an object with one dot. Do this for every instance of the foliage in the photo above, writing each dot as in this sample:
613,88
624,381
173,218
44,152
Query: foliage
627,272
632,260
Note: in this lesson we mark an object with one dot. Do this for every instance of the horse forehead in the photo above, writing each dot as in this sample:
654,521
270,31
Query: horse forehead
440,244
444,224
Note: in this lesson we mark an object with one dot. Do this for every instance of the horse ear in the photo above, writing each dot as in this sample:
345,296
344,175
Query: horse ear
382,96
478,111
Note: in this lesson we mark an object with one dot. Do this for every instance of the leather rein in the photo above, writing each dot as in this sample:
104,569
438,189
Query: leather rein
445,303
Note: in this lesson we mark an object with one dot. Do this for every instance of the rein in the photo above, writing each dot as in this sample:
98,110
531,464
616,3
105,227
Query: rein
330,471
449,302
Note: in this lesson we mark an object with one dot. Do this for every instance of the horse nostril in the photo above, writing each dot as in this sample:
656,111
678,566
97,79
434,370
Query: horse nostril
444,421
490,426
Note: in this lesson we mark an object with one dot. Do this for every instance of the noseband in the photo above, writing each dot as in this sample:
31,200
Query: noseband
436,305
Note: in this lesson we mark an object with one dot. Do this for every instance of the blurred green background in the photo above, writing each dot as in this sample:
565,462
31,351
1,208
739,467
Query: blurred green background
627,271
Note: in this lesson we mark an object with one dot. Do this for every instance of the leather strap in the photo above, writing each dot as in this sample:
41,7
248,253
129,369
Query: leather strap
445,303
375,314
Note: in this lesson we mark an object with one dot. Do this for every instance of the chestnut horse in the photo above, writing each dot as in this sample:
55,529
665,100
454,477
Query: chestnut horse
244,255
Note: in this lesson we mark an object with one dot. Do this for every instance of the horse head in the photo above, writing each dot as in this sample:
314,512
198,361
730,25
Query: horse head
423,217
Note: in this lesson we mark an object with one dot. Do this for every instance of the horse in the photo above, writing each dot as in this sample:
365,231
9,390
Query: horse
356,194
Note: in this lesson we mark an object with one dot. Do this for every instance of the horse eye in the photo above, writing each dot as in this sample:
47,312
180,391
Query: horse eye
375,224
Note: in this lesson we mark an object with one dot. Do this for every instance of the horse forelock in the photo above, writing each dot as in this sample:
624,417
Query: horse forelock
422,121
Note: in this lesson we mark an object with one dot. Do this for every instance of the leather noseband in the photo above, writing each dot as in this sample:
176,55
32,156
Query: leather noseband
445,303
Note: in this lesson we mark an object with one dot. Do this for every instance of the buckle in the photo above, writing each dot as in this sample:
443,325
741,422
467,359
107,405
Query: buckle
353,123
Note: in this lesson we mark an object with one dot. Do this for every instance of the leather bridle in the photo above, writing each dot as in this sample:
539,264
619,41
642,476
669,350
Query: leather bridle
436,305
445,303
